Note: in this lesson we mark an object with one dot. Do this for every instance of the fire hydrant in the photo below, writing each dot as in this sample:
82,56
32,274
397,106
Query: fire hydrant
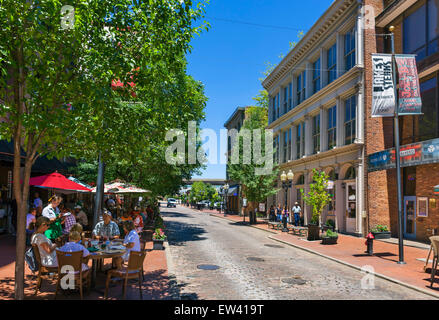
369,243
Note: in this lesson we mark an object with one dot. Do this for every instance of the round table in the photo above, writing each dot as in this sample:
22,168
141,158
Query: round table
100,255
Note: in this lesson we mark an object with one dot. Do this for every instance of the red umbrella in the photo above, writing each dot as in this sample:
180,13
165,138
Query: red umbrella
56,181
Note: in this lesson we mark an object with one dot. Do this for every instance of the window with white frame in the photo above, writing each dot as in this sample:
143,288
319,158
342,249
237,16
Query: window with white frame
349,49
316,133
299,140
301,87
350,119
316,76
289,143
285,147
285,100
332,63
332,127
290,97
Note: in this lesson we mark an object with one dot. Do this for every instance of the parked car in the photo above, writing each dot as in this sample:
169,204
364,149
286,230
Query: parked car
172,203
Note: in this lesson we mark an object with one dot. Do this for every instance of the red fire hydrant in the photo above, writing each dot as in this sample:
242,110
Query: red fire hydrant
369,243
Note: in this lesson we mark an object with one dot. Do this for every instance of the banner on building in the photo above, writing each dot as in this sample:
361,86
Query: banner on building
410,102
383,91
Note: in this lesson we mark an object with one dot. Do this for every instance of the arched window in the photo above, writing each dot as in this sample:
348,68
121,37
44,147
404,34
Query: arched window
350,174
301,180
331,175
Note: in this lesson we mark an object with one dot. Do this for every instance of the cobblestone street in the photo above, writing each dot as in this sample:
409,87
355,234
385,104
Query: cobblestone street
252,266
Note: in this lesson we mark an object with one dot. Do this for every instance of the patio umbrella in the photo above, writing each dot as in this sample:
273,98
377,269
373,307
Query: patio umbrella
118,187
436,190
57,182
80,182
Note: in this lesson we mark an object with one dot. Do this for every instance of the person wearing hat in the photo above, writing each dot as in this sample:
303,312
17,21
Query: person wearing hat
296,210
107,228
80,215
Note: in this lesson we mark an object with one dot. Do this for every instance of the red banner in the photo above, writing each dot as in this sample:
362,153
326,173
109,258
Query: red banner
410,102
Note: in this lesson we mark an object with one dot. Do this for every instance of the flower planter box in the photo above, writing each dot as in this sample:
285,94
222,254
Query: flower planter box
313,232
329,240
158,244
382,235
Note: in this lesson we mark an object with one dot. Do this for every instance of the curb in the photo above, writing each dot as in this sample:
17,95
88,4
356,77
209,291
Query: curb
171,270
379,275
427,292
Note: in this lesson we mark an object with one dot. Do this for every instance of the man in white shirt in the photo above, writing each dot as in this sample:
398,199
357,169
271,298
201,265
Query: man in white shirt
296,210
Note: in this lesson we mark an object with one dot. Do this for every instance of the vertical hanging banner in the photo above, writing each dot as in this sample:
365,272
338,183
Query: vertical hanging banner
410,102
383,95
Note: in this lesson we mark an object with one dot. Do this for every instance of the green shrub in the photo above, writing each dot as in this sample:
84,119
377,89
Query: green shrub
330,223
331,234
380,228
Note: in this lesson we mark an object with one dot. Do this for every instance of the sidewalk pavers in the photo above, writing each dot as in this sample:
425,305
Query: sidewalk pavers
156,284
350,251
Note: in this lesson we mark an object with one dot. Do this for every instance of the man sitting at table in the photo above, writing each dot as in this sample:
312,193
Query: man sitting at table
73,246
107,228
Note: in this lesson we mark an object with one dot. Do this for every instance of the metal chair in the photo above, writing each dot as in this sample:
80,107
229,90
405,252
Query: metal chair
43,272
75,260
135,265
435,244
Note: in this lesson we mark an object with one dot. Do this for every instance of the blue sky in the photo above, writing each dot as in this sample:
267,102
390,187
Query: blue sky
230,57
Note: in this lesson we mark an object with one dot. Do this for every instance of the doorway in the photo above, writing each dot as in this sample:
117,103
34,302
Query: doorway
351,207
410,217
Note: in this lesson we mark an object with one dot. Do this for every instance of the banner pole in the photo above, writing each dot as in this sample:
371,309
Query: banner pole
397,157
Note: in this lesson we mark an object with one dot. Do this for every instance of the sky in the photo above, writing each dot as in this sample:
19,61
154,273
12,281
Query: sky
230,57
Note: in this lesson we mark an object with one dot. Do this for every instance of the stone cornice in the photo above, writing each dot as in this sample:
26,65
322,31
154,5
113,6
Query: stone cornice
313,36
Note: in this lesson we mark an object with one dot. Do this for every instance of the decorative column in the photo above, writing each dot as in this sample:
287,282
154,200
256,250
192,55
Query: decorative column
323,68
360,195
359,49
307,211
293,142
308,136
359,130
308,83
340,55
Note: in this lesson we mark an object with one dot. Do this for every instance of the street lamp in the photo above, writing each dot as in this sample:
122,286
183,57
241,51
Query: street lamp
226,189
287,182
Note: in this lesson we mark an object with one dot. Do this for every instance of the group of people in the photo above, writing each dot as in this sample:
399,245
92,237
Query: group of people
61,218
279,213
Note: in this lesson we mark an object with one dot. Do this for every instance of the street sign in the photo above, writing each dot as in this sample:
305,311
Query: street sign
244,202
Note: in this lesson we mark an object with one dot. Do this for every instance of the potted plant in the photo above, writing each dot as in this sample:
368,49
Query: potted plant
158,238
381,232
318,198
330,237
330,225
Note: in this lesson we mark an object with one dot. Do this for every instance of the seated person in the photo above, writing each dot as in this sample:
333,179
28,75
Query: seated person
106,229
30,224
137,219
73,246
131,242
78,228
69,220
80,215
45,247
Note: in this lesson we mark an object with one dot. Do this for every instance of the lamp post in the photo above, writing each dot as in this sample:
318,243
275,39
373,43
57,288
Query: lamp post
226,190
287,182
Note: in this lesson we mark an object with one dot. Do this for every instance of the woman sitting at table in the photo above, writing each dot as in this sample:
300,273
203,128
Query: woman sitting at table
45,246
131,242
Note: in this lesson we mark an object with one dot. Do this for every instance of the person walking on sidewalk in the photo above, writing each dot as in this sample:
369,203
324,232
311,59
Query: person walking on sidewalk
279,213
272,216
296,210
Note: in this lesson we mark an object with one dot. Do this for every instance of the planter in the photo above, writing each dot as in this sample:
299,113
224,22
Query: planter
329,240
326,228
313,232
382,235
158,244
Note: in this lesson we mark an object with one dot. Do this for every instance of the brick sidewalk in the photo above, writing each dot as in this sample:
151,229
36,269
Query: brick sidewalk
156,285
351,251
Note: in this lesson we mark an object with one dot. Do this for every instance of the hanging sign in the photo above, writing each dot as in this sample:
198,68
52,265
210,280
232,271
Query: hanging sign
410,102
383,95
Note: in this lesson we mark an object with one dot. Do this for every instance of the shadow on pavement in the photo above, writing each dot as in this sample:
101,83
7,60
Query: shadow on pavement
179,233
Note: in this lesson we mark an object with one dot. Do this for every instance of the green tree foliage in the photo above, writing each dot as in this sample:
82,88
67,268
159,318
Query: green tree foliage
255,187
318,197
199,192
55,83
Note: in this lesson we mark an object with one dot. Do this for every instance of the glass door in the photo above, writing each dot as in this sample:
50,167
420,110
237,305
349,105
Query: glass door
351,207
410,217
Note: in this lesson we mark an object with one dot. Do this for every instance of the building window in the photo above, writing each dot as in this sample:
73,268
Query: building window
350,174
290,98
420,30
349,49
285,147
299,140
301,87
316,76
427,124
316,133
332,63
285,99
289,144
276,146
350,119
332,127
277,105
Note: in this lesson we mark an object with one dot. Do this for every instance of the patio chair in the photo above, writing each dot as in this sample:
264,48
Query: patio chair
133,270
43,272
142,248
75,260
435,244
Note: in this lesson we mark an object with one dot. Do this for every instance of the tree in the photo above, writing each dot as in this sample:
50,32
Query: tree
199,191
56,82
318,197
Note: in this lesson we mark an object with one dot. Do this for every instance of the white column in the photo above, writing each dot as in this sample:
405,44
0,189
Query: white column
359,40
340,122
360,197
340,205
323,68
308,136
281,146
293,142
340,55
360,115
307,211
308,84
323,129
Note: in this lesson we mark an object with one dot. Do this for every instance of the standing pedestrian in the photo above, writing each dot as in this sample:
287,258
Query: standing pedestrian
296,210
279,213
285,215
272,216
